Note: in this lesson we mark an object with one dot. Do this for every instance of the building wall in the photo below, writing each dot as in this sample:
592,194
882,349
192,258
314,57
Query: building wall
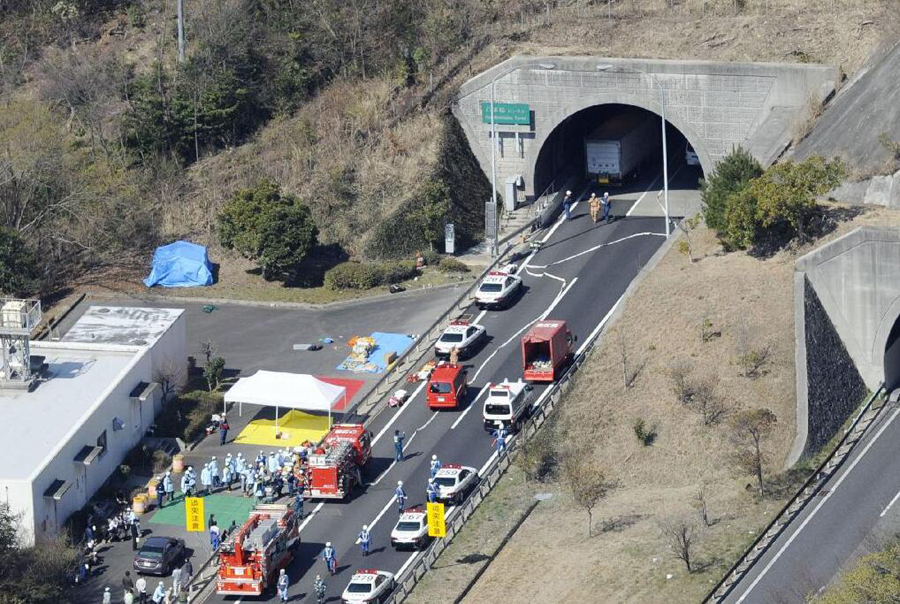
115,404
18,495
714,105
169,353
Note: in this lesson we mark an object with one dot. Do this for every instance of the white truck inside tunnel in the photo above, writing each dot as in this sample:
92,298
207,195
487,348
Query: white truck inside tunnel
609,144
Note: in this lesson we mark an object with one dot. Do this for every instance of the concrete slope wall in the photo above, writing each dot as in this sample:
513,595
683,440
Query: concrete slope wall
714,105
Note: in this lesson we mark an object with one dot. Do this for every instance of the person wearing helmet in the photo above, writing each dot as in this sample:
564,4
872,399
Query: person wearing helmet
319,588
432,491
435,465
400,494
567,204
330,557
594,205
283,582
365,540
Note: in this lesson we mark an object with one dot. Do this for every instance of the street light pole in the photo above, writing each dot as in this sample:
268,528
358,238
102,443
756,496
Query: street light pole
662,96
495,234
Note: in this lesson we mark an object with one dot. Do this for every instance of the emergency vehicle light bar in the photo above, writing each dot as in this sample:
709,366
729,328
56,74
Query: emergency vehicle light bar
367,571
451,466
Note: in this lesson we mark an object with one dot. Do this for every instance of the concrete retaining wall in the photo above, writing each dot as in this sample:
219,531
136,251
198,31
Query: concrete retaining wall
834,386
878,190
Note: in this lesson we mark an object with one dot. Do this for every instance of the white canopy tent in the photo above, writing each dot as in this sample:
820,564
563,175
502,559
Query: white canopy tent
292,390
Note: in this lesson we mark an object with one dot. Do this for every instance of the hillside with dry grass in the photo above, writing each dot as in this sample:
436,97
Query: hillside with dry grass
321,102
703,316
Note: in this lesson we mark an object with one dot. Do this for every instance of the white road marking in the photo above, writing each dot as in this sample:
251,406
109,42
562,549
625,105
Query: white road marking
405,446
407,563
600,325
397,415
561,295
893,501
469,408
310,517
641,198
478,319
816,509
595,248
382,512
487,463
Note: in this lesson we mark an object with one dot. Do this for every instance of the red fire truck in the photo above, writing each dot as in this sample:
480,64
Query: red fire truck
333,467
249,560
546,349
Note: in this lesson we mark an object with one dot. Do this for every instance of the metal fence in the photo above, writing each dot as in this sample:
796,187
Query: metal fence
544,406
806,492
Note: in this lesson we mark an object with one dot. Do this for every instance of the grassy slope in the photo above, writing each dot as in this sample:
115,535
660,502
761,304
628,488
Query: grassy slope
740,295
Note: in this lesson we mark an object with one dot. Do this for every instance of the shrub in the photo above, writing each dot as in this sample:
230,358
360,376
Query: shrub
394,272
432,258
161,461
187,416
450,264
357,275
353,275
646,435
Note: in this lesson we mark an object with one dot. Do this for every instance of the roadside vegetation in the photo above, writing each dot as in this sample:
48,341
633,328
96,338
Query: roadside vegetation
875,577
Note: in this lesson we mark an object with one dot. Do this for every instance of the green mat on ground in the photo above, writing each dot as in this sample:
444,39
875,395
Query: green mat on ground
225,507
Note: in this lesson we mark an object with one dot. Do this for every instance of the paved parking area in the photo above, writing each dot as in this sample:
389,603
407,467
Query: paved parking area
252,338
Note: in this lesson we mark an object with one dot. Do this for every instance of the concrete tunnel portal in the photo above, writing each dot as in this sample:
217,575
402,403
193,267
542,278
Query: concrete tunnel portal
564,151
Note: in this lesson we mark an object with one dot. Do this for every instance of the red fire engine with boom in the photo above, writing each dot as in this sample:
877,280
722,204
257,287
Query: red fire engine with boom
249,560
333,466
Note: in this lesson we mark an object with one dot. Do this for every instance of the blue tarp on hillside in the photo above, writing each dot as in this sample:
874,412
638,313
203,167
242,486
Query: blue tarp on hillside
180,264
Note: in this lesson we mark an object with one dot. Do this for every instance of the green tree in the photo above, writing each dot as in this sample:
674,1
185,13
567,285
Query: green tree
787,192
18,266
262,224
433,211
731,175
212,373
741,222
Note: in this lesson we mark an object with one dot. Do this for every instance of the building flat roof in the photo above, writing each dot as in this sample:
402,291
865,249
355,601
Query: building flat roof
126,325
35,423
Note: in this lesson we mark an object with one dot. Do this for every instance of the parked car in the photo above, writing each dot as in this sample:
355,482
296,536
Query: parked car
158,555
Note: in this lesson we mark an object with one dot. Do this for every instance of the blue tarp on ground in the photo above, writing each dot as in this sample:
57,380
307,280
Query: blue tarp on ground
385,343
180,264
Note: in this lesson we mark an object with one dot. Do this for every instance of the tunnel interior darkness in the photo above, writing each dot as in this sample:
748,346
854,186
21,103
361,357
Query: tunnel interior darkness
563,151
892,358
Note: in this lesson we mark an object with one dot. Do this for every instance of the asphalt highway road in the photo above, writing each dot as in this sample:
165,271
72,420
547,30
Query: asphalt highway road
856,511
579,275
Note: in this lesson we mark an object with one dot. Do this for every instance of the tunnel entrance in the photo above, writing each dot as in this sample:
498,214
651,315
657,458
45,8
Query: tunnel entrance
585,144
892,358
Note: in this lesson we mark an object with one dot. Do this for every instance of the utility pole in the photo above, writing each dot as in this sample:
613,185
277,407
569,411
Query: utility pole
181,31
494,242
662,95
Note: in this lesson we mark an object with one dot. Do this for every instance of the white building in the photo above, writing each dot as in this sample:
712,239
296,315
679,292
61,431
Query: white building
92,403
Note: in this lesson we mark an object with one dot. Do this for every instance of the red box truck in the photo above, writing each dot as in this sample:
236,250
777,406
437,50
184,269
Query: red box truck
545,350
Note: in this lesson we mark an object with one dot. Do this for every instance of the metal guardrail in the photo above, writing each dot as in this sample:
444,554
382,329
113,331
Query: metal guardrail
810,488
545,405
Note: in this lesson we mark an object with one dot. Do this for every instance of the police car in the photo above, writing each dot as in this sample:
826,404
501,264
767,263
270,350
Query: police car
455,482
463,336
411,530
499,288
368,585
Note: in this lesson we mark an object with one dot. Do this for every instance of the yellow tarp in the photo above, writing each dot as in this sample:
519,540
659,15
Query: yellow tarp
297,425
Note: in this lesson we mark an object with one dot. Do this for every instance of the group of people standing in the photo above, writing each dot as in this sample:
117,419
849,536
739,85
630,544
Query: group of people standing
597,206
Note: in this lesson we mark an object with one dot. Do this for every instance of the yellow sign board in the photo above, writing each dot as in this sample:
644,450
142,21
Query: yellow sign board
193,512
436,525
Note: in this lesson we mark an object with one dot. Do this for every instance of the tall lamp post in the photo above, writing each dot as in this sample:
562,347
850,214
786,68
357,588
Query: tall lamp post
495,243
662,100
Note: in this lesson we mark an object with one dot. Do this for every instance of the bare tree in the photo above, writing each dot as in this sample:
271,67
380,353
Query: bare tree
208,348
707,401
630,371
752,362
680,535
170,376
681,373
586,483
701,505
749,429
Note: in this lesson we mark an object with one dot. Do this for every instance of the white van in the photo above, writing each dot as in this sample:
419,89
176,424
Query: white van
690,156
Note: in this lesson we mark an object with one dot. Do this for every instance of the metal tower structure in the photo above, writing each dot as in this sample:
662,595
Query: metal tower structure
18,318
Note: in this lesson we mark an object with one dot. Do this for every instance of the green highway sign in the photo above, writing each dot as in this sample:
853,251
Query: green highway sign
506,113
